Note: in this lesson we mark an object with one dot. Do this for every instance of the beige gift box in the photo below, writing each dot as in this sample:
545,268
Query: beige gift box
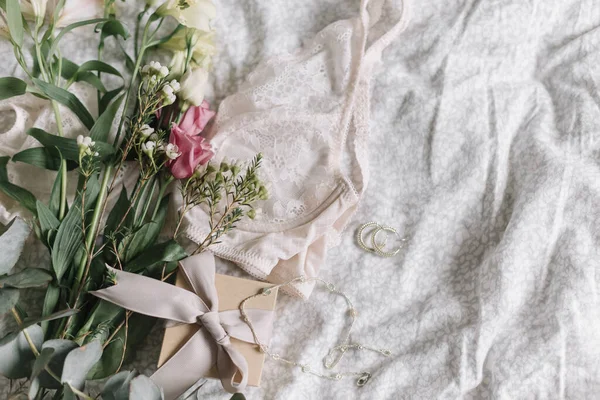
231,291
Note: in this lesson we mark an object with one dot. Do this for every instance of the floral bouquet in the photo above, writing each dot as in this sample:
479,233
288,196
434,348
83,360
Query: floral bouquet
154,121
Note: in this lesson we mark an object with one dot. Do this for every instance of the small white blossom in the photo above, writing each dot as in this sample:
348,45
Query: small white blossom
175,85
163,72
149,147
168,95
146,130
172,151
85,144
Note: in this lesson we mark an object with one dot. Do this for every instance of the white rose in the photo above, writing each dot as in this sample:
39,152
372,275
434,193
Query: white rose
191,13
193,85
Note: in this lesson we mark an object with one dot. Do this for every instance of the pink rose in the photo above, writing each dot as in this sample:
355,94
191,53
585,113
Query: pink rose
195,118
194,150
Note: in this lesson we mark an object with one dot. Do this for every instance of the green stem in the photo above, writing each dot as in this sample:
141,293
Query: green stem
59,127
91,233
134,74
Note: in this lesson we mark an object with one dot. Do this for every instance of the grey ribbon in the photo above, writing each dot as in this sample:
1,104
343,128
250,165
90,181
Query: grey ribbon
211,345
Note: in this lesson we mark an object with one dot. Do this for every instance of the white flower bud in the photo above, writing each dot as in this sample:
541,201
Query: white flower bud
193,84
175,85
146,130
172,151
149,147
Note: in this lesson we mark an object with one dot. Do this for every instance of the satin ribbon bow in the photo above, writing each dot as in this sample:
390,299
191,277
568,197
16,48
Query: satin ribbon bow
211,345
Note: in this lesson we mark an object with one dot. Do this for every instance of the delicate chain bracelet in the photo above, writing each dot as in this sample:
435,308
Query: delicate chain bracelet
335,354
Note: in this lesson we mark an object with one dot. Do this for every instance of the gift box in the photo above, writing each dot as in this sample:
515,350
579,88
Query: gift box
230,291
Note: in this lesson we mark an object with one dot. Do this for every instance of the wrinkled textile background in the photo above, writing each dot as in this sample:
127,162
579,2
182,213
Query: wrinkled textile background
485,119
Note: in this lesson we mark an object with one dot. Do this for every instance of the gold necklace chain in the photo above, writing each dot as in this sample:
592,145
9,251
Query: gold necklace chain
335,354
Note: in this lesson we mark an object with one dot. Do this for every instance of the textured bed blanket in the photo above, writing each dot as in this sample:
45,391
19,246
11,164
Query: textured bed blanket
484,152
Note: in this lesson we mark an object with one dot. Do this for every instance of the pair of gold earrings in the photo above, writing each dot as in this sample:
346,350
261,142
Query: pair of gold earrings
378,245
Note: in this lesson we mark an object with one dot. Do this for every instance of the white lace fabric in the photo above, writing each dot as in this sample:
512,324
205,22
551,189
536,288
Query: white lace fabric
307,113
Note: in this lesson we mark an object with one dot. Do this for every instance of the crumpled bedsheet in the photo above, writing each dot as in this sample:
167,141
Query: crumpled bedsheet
484,153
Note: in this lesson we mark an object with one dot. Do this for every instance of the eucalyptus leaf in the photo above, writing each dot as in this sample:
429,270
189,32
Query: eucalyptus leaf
11,244
142,388
78,363
61,348
41,362
68,393
68,99
14,21
117,386
29,277
34,388
10,87
16,357
238,396
157,255
8,299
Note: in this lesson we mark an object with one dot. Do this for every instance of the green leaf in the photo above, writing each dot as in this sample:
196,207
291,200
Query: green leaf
57,315
54,203
41,157
68,393
79,362
3,172
117,386
12,243
113,28
22,196
107,98
139,328
8,299
69,28
103,313
135,243
50,302
15,21
10,87
70,70
96,65
16,357
48,220
61,349
117,213
238,396
27,278
68,147
41,362
68,239
142,388
68,99
101,128
156,256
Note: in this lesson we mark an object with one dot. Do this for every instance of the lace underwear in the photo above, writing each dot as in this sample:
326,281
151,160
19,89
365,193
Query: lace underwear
308,114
